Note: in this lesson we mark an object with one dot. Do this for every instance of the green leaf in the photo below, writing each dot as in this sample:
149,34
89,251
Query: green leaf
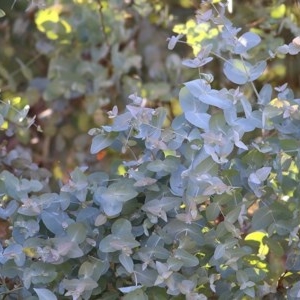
1,120
86,269
45,294
187,259
220,251
289,145
39,273
293,261
120,239
174,263
77,232
2,13
212,211
145,277
178,229
274,246
121,227
121,191
26,71
262,218
126,262
78,286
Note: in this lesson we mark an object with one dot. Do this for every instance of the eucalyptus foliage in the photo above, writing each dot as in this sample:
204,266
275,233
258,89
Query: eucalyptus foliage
207,208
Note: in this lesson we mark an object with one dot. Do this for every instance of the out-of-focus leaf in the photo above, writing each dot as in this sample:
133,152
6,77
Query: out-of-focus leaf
265,94
26,71
262,218
294,292
212,211
9,209
45,294
173,41
246,42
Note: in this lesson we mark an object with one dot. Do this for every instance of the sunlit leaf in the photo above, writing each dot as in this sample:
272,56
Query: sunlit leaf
246,42
240,72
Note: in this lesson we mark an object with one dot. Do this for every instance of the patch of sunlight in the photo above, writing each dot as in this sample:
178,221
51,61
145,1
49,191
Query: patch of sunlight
258,236
278,12
121,170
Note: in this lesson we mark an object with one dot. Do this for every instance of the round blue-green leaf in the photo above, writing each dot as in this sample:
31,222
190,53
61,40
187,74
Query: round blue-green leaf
187,259
77,232
112,243
87,214
257,70
54,221
86,269
121,191
240,72
237,71
121,227
247,41
201,120
111,208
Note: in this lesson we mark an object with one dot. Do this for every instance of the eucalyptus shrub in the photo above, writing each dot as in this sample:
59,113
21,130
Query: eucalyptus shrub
207,208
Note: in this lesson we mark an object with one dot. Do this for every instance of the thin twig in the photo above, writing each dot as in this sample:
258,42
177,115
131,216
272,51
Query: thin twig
102,23
30,62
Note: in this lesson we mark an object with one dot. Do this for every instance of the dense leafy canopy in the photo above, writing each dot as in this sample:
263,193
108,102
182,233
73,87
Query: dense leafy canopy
200,202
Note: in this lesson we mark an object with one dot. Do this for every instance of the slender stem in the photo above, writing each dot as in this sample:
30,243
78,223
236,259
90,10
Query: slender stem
29,63
102,23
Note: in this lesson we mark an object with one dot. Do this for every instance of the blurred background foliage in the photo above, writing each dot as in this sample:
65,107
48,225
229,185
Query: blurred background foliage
71,61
